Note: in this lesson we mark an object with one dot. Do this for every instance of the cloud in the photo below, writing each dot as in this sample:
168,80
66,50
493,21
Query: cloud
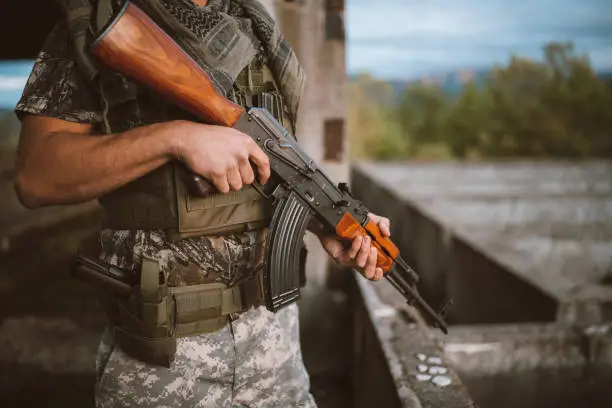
415,19
397,37
601,58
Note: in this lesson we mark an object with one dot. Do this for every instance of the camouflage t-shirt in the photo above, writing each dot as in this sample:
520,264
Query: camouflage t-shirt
56,89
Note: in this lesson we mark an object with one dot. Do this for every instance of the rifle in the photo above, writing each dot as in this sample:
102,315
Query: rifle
136,46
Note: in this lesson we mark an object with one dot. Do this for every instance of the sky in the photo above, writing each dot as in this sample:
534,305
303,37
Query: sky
403,39
407,39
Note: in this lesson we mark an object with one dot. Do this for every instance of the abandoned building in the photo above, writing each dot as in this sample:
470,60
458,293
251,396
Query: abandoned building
527,264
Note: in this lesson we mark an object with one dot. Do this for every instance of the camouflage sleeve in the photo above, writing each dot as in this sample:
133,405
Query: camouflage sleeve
56,88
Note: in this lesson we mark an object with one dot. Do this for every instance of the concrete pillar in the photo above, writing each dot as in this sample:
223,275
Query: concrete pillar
332,102
333,90
300,26
315,28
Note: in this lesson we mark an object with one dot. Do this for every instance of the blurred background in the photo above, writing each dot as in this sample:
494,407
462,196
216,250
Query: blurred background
468,79
482,129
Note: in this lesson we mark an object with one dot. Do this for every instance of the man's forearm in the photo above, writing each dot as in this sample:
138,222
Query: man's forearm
70,168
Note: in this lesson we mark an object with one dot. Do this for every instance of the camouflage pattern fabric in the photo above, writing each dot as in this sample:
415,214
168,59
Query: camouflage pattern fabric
226,259
222,37
55,87
255,361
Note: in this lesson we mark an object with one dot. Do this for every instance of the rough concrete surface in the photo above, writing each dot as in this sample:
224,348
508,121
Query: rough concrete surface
49,324
525,251
531,365
551,223
400,362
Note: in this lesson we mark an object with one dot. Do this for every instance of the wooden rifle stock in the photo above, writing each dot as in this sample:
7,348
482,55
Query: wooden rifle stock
349,228
138,48
135,46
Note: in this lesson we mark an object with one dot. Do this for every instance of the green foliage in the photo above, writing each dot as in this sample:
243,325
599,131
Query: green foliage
372,129
557,107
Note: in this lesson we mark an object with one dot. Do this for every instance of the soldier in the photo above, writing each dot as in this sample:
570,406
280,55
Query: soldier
90,133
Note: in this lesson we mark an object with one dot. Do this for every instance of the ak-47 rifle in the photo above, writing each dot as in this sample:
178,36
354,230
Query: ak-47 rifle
136,46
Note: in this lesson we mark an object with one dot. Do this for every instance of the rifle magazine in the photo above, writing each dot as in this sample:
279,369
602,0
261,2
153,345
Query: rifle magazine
282,256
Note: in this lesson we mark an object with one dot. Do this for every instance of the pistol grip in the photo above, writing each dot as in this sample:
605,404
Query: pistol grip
198,186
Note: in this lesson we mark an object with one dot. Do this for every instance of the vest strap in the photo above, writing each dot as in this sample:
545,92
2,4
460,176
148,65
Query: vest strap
148,323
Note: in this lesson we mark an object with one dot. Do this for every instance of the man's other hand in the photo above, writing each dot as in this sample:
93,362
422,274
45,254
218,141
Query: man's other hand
361,254
221,155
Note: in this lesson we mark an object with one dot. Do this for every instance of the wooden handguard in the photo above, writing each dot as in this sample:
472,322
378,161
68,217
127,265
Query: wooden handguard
135,46
349,228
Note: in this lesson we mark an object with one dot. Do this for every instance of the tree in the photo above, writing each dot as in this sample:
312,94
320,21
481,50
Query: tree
421,115
466,122
556,107
372,130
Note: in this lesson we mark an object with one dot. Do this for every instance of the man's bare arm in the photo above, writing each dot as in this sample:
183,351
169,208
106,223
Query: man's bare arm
59,162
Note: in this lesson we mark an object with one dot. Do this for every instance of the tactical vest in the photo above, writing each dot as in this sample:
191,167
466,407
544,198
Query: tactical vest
148,322
159,200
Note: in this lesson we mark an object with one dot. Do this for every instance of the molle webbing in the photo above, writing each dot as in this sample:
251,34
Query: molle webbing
160,201
145,321
221,37
149,322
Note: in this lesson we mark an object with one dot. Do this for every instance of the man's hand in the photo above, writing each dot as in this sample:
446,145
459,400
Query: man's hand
361,255
61,162
222,155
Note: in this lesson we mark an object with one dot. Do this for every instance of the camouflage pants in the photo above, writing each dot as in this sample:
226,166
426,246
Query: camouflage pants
255,361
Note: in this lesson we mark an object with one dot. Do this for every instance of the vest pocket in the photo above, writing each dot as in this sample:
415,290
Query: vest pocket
220,214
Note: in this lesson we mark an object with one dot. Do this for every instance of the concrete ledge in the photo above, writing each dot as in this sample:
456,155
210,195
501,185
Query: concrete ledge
523,249
40,224
546,363
451,265
532,365
483,291
398,363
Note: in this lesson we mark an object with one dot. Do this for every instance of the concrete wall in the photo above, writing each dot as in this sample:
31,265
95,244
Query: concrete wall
522,245
396,362
526,365
449,265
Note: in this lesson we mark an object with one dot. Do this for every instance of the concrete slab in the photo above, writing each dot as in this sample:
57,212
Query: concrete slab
397,361
513,244
530,365
549,223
